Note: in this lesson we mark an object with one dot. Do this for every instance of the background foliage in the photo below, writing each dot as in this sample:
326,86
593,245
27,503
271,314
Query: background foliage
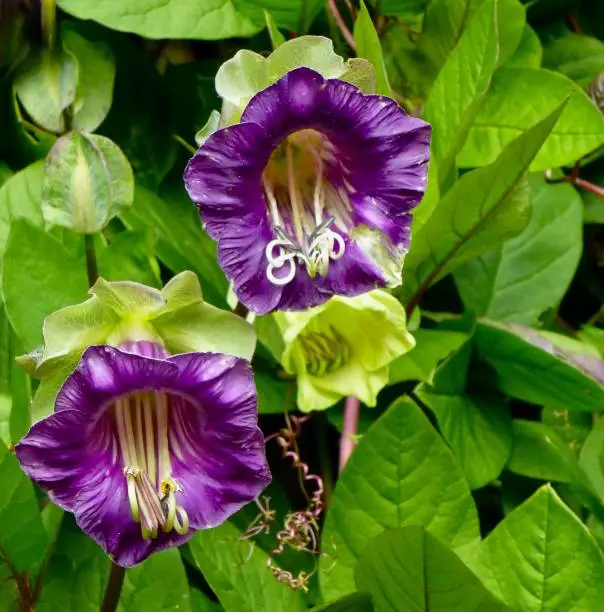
478,481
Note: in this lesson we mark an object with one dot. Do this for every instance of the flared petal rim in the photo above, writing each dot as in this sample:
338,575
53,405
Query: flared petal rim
384,153
73,453
223,389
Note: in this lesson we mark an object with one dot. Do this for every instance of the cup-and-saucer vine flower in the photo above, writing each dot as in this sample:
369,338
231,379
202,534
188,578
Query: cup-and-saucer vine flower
150,438
343,347
309,182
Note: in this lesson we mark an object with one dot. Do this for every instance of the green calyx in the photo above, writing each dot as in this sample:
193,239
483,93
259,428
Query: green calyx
332,350
247,73
175,317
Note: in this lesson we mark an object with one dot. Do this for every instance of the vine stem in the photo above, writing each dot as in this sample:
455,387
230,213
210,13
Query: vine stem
91,266
114,588
346,33
352,410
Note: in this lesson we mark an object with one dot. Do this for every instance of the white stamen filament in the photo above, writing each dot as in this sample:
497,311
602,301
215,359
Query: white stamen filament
315,247
293,193
142,424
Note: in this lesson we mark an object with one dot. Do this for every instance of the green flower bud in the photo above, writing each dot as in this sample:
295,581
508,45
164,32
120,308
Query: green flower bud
175,317
343,347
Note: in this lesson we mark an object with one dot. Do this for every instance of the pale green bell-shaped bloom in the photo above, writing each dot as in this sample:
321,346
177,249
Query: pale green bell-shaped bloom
343,347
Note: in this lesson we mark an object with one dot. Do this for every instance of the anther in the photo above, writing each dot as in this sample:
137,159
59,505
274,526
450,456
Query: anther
142,421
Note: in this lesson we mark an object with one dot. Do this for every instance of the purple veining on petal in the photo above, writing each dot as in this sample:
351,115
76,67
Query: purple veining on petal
284,191
145,450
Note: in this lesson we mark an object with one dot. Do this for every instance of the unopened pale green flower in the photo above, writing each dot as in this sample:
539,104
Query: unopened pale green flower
176,318
343,347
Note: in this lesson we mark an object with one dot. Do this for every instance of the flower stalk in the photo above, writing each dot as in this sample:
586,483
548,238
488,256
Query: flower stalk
113,589
352,410
91,264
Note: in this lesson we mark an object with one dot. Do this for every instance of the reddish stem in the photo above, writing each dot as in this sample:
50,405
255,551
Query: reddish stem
352,410
573,23
346,33
599,191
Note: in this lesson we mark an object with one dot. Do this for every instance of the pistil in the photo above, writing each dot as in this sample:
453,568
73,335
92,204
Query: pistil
314,243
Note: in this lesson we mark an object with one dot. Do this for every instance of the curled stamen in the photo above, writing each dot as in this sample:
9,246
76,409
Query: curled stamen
181,521
315,252
176,516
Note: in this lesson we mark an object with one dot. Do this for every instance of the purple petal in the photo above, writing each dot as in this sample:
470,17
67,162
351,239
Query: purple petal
216,449
102,512
220,421
383,150
380,160
61,450
104,373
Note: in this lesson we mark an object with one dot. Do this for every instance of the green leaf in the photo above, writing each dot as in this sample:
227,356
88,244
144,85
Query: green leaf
236,570
293,15
579,57
356,602
273,31
401,473
158,584
5,173
528,52
543,558
9,592
21,198
368,47
539,452
96,73
533,374
478,429
172,19
131,256
88,181
39,276
76,575
14,386
495,207
272,393
461,85
201,603
431,347
446,22
594,336
571,427
404,9
46,87
592,458
182,243
409,569
22,536
532,271
517,99
429,202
